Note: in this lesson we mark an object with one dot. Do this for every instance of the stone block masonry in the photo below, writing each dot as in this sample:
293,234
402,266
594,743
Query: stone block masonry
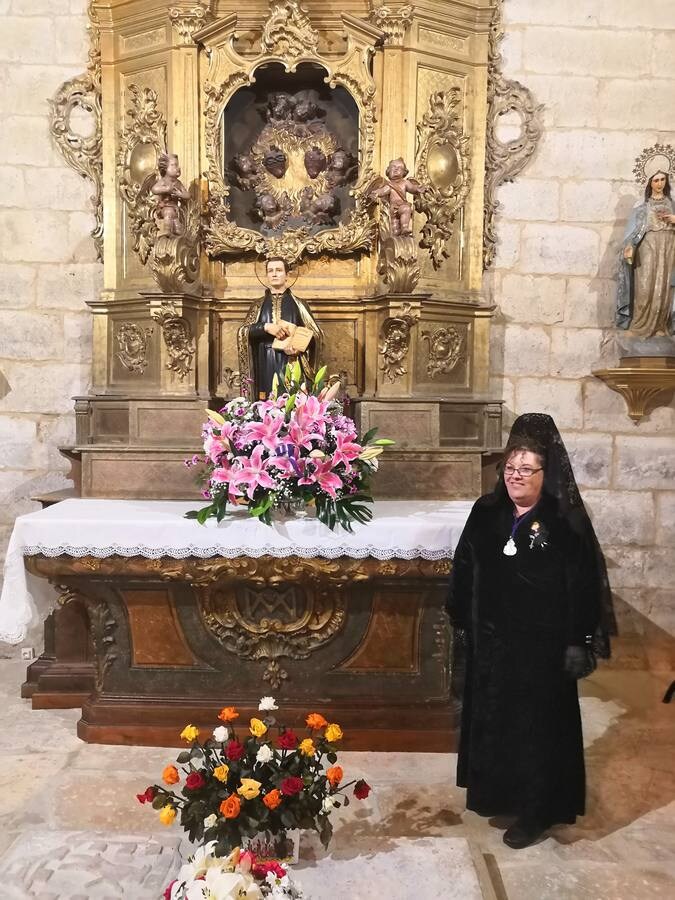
602,69
47,262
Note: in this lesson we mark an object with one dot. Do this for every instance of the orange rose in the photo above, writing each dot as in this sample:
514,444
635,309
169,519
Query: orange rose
316,721
170,775
228,714
334,775
273,799
231,807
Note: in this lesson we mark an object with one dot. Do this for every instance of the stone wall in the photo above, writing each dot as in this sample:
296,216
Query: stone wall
605,70
48,266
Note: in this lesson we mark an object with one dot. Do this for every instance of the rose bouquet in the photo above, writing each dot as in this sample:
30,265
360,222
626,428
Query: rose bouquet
232,789
293,449
206,876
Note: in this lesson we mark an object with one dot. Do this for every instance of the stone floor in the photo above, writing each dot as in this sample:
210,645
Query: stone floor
72,827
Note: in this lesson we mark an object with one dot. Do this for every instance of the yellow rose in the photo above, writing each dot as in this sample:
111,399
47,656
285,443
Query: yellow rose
190,733
221,773
307,747
257,728
250,788
167,814
333,733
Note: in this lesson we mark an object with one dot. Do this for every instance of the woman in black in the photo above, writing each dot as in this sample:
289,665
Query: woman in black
527,594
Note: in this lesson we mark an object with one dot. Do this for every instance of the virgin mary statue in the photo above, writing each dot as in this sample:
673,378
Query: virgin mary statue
646,290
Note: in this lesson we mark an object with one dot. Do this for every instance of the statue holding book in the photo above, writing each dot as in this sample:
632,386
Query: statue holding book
278,328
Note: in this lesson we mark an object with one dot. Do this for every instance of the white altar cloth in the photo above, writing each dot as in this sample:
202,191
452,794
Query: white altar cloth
400,529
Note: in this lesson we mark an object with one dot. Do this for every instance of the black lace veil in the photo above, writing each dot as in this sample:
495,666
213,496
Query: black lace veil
539,431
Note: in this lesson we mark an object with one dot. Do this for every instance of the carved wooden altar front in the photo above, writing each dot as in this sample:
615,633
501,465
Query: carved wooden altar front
170,641
283,117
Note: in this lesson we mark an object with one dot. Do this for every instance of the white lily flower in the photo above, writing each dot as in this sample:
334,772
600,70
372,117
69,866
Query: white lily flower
267,703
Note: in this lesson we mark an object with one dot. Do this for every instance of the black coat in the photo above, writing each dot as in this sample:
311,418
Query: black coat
266,360
521,750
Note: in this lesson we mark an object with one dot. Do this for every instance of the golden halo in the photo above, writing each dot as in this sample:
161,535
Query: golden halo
291,269
658,158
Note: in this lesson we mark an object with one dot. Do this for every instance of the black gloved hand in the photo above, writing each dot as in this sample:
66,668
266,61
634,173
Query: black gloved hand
579,661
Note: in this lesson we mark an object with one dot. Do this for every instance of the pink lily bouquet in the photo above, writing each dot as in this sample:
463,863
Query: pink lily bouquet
294,449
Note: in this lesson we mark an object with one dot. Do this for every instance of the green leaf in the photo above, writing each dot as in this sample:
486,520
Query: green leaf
319,378
368,436
290,403
159,801
183,756
332,758
204,514
191,514
296,371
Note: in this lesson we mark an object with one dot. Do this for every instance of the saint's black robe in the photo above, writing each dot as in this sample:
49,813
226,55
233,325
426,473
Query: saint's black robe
521,750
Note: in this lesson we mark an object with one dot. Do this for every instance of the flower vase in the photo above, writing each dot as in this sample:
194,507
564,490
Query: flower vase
283,847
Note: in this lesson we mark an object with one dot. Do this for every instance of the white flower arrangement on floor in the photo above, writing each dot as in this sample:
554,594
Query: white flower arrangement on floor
238,876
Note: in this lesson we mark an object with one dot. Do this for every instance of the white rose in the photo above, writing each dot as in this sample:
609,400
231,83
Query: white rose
328,804
265,754
267,703
220,733
210,821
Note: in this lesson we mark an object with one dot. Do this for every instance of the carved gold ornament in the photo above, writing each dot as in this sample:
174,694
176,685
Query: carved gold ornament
142,140
178,339
443,168
504,160
394,22
188,20
83,152
395,343
658,158
175,259
445,350
132,346
289,39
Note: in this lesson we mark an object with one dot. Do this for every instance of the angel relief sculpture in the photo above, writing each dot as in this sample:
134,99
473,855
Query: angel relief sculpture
297,172
171,194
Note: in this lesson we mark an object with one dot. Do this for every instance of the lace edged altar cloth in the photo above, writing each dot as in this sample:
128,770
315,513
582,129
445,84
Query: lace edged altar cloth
400,529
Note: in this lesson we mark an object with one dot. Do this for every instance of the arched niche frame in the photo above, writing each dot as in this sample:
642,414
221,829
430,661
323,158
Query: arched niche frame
289,41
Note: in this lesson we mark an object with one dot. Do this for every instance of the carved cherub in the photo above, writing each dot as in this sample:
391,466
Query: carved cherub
272,212
243,171
307,115
280,108
171,192
342,168
321,209
394,190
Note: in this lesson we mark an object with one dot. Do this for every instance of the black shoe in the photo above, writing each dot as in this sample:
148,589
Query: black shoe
523,833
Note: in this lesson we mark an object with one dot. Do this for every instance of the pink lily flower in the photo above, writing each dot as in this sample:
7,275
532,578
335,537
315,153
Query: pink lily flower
346,449
310,413
300,437
267,431
321,473
253,473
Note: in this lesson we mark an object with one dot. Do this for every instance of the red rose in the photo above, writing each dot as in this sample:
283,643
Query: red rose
167,892
235,751
361,789
292,785
260,870
148,796
288,740
194,781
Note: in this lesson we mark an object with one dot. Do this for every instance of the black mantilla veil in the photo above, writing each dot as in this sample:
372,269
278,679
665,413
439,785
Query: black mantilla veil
539,431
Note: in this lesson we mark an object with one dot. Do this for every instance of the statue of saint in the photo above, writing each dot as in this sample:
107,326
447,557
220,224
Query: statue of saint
171,193
646,289
265,340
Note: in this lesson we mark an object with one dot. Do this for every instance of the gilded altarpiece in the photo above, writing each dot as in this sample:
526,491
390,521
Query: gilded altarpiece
223,134
283,116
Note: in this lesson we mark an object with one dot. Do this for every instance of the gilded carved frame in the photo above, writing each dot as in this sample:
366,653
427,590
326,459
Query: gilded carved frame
289,39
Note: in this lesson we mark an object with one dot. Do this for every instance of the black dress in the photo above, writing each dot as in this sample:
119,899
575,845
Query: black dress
266,360
521,750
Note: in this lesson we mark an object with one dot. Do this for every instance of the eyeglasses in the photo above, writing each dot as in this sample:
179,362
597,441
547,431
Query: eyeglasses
523,471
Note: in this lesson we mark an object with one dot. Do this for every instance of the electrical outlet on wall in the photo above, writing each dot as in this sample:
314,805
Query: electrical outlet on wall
27,653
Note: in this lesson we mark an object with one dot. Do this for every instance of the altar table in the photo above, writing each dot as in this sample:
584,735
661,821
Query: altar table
161,621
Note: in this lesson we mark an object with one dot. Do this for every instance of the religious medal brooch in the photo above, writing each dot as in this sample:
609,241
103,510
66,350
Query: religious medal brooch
537,535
